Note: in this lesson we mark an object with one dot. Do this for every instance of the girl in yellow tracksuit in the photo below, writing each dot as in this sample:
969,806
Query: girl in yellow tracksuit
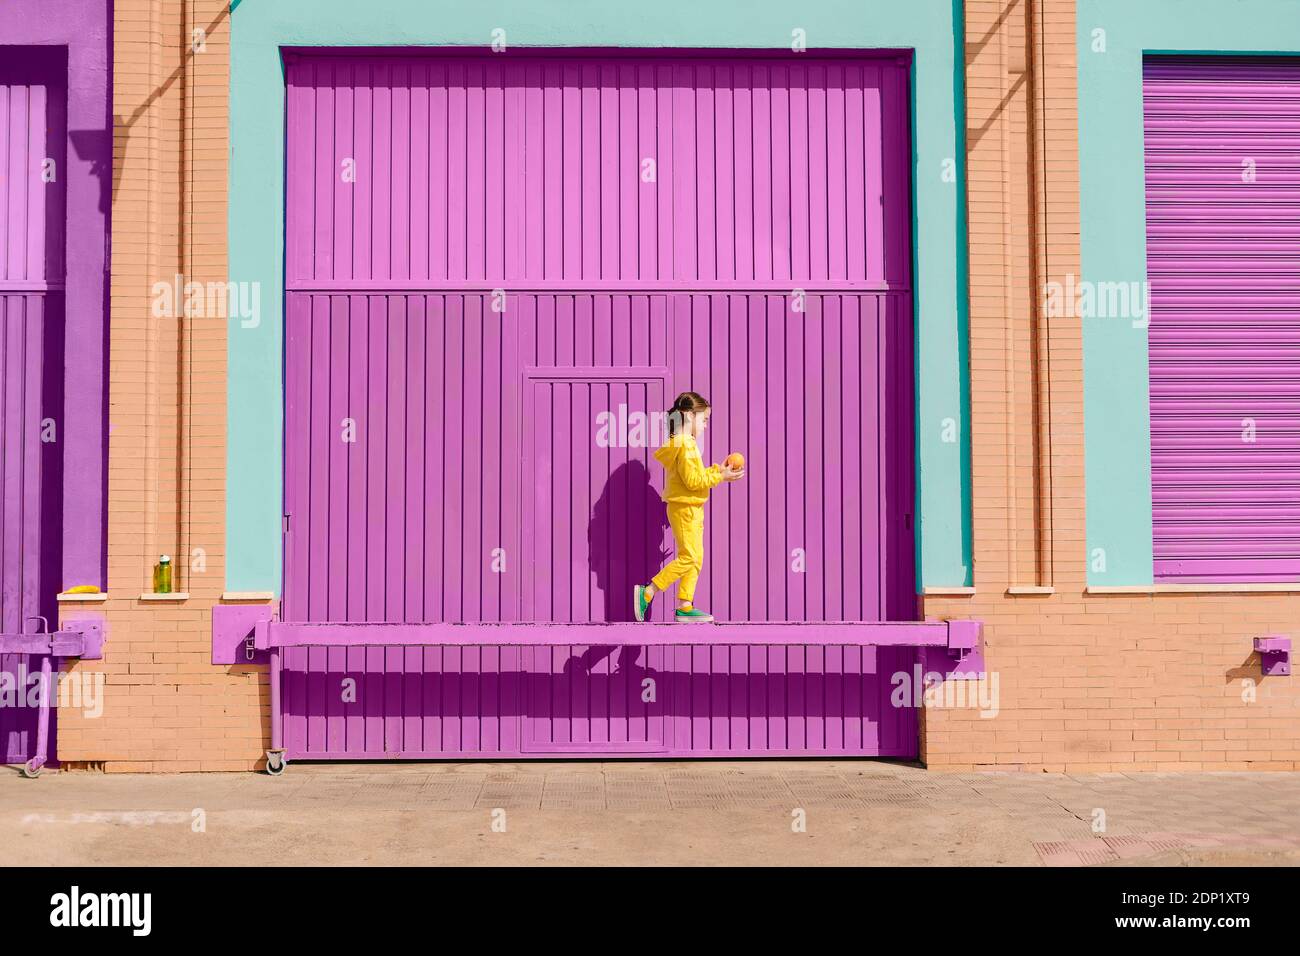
686,489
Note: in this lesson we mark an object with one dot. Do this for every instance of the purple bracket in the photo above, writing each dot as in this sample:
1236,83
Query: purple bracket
233,627
1274,655
963,658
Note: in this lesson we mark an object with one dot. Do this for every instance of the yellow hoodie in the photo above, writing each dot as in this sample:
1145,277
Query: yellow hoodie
688,481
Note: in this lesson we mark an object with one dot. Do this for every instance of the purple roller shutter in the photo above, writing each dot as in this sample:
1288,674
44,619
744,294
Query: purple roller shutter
1223,260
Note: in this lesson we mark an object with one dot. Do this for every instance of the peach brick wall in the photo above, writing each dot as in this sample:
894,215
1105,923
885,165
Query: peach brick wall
1086,682
167,708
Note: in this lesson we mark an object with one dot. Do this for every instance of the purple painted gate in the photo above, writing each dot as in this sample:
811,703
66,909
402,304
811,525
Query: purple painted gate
1223,259
32,130
497,266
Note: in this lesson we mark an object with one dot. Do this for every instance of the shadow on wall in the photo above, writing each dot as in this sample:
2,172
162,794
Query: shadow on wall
625,547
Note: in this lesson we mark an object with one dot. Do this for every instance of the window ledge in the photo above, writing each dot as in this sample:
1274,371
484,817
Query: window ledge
1030,589
171,596
248,596
99,597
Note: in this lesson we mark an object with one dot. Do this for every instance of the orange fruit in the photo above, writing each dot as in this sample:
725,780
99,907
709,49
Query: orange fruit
735,461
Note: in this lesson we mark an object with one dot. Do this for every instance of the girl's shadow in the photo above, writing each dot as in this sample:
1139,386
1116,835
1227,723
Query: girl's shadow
625,547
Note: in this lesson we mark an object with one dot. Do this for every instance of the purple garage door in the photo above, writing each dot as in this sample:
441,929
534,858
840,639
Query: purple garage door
496,266
1223,259
32,105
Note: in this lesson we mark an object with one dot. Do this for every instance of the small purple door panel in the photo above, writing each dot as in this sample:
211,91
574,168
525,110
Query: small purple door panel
481,323
32,134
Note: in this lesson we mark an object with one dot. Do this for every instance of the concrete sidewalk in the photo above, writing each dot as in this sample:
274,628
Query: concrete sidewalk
856,813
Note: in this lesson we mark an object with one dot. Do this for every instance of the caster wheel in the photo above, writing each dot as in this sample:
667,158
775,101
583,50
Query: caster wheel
275,762
32,769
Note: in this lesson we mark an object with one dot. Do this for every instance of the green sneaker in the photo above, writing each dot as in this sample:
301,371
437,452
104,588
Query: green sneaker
640,603
692,615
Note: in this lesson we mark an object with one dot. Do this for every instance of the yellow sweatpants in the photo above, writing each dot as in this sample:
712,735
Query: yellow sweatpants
687,522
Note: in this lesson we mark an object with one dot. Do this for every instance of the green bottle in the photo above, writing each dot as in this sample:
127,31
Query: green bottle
162,576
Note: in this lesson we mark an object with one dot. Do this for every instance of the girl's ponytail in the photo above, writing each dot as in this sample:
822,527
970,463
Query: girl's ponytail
685,402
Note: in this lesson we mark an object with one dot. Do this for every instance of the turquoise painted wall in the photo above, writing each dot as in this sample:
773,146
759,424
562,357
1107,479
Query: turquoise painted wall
1112,191
260,27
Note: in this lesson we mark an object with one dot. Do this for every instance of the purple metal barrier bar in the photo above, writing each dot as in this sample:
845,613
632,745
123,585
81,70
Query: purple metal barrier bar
81,638
955,635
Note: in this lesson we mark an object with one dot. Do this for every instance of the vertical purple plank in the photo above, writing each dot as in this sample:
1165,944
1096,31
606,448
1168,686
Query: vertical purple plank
740,538
815,697
553,173
721,707
758,462
589,179
371,692
747,177
701,713
400,224
647,192
855,200
335,463
373,439
412,687
758,705
324,431
431,688
343,122
896,170
471,698
494,416
436,512
665,171
316,698
783,143
853,704
476,171
835,442
737,693
297,459
457,163
421,424
874,435
724,161
534,172
382,247
814,502
519,316
570,269
762,125
513,189
778,686
356,348
440,186
849,474
294,699
396,453
469,423
453,487
836,192
706,256
609,171
629,174
563,478
421,177
817,174
685,173
452,703
798,424
364,197
800,174
19,181
335,708
874,205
